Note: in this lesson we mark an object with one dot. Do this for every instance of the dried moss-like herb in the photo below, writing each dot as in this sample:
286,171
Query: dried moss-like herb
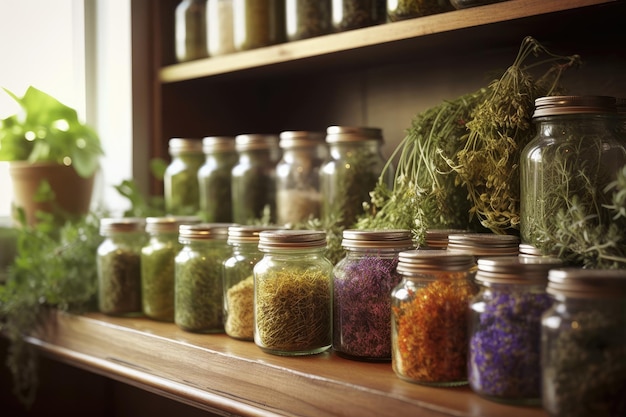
157,280
293,310
240,314
119,278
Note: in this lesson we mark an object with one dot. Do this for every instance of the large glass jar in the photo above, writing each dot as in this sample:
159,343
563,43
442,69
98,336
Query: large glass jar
214,179
355,14
293,293
307,18
158,266
180,180
253,179
220,32
198,289
429,334
583,344
362,285
119,265
351,172
505,328
258,23
408,9
298,196
190,30
239,281
566,167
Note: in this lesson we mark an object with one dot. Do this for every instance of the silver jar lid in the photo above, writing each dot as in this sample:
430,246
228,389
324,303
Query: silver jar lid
516,269
301,139
291,239
559,105
587,283
417,261
484,244
247,233
213,144
256,141
180,146
366,239
203,231
340,134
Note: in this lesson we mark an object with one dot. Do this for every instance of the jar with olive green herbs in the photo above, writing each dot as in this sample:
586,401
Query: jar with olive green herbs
220,27
351,172
191,30
307,18
158,266
253,179
180,180
293,293
408,9
298,196
214,178
239,281
198,290
119,265
355,14
258,23
583,343
566,168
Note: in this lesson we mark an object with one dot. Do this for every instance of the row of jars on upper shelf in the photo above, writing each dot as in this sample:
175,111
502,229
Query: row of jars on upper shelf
218,27
284,179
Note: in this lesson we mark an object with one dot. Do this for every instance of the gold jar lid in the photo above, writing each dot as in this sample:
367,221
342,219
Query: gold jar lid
300,139
255,141
484,244
203,231
247,233
515,269
214,144
367,238
559,105
291,239
340,134
438,238
122,225
587,283
418,261
168,224
181,146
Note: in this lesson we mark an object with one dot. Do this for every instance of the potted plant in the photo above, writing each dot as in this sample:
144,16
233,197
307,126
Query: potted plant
53,156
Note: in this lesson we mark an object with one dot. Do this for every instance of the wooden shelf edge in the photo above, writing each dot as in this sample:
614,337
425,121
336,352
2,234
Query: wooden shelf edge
227,376
367,37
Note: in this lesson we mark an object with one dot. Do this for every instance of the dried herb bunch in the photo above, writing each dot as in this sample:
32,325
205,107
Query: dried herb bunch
458,165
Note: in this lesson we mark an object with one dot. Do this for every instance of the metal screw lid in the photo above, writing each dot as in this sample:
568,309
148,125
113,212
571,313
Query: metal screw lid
256,141
213,144
180,146
587,283
168,224
340,134
560,105
417,261
203,231
291,239
384,239
122,225
515,269
484,244
247,234
301,139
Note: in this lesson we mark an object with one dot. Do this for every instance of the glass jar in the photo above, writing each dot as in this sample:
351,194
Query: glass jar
119,266
293,293
307,18
158,266
190,28
199,288
429,333
351,172
180,180
505,328
239,281
298,196
566,167
220,32
355,14
258,23
464,4
583,344
214,179
408,9
484,244
253,179
362,284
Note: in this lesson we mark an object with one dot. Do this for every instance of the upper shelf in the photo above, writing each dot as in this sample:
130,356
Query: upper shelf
384,35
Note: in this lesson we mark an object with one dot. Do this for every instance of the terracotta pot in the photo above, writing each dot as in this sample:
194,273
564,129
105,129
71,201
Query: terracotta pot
72,192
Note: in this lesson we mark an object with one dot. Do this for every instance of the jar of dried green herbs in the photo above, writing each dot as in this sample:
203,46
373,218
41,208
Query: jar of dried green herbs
180,180
505,328
258,23
298,196
352,171
191,30
214,179
307,18
119,265
356,14
158,266
220,31
408,9
565,169
253,179
293,293
239,281
429,310
199,277
362,285
584,343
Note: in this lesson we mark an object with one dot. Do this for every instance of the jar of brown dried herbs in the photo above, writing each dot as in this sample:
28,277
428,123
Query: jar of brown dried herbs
584,343
408,9
293,293
198,289
119,265
355,14
307,18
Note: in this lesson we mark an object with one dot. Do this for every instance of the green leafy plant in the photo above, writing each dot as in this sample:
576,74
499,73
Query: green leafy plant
46,130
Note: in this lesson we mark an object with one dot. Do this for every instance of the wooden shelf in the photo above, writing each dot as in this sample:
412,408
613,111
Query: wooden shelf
224,375
380,36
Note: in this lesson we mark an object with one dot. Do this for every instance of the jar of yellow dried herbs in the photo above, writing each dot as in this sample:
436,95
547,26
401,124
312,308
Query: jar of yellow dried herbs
293,293
429,333
198,289
258,23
